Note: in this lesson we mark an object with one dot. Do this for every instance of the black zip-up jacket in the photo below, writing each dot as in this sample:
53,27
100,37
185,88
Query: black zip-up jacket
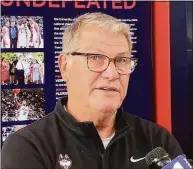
58,141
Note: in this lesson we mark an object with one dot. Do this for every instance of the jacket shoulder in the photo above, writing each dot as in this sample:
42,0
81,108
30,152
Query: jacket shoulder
32,142
20,152
154,135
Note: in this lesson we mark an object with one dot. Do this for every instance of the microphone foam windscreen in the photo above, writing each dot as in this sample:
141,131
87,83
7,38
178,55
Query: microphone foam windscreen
155,155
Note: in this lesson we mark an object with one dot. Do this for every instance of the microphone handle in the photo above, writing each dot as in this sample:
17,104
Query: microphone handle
191,162
161,163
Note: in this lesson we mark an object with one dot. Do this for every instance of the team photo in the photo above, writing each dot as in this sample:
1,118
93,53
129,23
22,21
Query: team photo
22,68
22,32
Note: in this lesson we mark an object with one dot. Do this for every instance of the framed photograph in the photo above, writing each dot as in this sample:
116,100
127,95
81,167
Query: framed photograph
22,104
22,68
6,131
22,32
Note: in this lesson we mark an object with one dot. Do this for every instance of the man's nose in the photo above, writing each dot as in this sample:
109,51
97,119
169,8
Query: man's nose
111,72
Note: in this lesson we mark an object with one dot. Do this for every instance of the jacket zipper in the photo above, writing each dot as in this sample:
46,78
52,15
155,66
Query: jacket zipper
105,160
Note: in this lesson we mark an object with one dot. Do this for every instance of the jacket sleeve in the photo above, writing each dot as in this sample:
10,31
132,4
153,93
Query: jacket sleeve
18,152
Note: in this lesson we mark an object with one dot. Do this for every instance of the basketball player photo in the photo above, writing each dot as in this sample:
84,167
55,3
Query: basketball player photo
22,104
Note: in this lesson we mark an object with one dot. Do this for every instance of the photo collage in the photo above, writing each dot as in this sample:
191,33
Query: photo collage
22,72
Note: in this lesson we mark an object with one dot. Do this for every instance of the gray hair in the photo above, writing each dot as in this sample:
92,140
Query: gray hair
97,20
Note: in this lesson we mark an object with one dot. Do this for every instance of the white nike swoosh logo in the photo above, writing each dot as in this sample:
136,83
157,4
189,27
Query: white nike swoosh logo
136,160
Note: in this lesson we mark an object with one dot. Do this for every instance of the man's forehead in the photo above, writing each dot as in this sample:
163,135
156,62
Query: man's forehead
99,34
102,40
103,48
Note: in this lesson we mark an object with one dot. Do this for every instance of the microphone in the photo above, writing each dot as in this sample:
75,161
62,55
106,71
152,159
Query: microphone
191,162
158,158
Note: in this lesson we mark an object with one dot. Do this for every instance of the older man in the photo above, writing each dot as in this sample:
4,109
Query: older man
13,34
89,130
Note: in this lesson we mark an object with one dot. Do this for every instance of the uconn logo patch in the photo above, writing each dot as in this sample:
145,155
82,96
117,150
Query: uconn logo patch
64,161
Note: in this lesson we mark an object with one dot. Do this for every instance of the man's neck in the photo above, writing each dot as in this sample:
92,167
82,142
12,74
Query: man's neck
104,122
106,130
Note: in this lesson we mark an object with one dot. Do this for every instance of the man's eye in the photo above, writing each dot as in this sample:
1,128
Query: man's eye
95,57
122,60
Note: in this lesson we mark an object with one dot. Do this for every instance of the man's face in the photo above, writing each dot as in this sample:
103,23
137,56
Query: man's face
12,24
30,20
24,20
85,86
7,24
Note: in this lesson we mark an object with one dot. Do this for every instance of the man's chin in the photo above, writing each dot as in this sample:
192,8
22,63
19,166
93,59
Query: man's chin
105,104
105,107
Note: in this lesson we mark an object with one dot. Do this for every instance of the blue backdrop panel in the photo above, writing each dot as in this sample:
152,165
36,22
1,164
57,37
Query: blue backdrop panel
182,74
139,100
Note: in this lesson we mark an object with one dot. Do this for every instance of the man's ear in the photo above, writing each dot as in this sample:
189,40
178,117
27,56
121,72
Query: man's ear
62,63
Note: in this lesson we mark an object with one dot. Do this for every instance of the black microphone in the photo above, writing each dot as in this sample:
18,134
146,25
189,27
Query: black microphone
158,158
191,162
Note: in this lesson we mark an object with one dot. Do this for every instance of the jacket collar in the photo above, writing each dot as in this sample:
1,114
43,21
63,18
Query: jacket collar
83,128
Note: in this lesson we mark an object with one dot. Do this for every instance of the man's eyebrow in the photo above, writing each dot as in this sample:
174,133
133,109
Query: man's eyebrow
122,53
102,53
98,51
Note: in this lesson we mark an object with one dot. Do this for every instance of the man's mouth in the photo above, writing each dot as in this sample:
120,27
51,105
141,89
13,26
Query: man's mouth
110,89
